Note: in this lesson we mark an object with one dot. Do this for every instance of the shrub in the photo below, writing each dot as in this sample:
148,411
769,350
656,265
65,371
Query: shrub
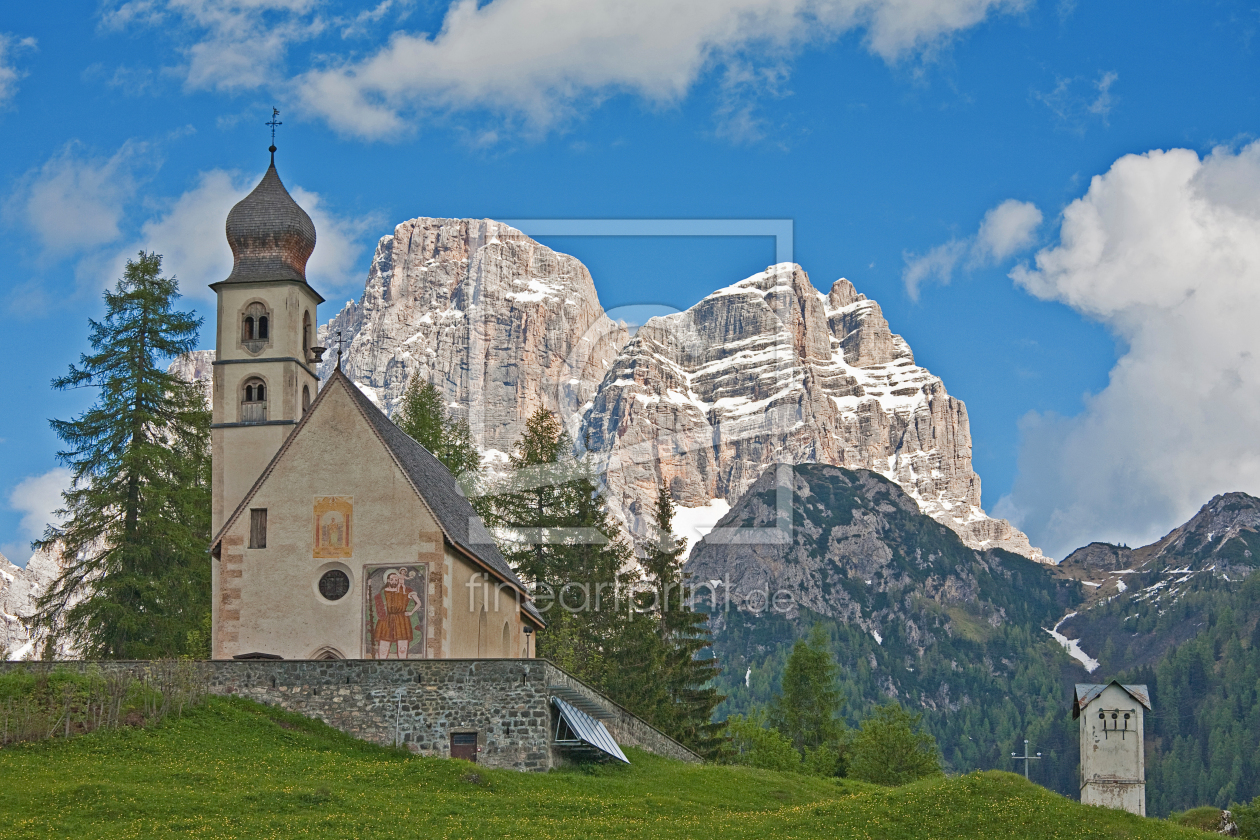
754,745
891,748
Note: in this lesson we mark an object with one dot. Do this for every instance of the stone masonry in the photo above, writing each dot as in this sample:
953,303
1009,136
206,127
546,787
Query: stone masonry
420,703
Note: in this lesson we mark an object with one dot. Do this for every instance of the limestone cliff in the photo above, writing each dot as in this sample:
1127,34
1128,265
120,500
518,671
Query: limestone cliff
770,370
501,324
19,589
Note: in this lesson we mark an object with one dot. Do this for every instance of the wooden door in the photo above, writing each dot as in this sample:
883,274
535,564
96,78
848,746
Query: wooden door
464,745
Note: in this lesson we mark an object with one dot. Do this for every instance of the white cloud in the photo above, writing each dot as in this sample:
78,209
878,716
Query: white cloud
1164,249
241,44
1004,231
188,233
537,59
531,60
76,200
36,498
10,73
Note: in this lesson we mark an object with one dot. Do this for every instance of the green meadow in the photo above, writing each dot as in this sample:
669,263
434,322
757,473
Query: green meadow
235,769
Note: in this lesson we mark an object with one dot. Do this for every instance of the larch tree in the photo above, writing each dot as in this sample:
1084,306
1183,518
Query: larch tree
422,416
808,708
553,529
136,519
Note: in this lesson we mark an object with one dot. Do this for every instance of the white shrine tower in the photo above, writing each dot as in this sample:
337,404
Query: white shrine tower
1113,764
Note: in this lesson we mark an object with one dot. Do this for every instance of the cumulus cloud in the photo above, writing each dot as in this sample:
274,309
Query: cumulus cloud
1164,249
1004,231
37,498
78,204
188,233
10,73
534,60
76,200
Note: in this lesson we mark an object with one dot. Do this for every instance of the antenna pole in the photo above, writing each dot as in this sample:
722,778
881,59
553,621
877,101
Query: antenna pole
1026,758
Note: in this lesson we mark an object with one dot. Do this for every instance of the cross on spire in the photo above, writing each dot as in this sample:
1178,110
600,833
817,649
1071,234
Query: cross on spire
275,121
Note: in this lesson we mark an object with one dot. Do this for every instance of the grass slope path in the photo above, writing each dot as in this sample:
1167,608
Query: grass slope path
234,769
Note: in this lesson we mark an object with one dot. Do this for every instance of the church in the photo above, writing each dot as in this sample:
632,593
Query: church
336,536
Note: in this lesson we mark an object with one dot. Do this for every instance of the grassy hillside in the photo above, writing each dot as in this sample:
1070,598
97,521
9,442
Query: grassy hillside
236,769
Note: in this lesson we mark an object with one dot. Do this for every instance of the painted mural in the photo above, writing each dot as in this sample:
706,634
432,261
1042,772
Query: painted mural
394,613
333,516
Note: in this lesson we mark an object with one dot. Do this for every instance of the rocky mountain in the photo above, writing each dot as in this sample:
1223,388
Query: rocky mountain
913,613
501,324
197,366
1133,589
859,550
19,589
766,370
771,370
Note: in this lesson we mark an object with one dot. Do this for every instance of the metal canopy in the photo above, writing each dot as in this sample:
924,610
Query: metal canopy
578,700
579,731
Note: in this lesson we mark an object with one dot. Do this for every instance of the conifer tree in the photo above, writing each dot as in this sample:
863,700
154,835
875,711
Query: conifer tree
683,634
892,749
555,532
808,709
422,416
136,521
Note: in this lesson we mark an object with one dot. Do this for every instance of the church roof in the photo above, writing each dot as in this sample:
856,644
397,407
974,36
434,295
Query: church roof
432,481
1087,693
271,236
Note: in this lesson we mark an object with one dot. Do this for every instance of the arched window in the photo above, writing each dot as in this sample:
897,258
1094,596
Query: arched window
306,398
306,335
507,641
254,401
255,327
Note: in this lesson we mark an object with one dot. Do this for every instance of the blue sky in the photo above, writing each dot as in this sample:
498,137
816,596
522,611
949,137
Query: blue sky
1097,322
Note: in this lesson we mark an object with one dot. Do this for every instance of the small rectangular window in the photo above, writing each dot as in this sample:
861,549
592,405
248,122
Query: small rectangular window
258,528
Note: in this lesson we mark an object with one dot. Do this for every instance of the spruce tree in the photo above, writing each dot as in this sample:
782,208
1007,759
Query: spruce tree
683,634
136,579
422,416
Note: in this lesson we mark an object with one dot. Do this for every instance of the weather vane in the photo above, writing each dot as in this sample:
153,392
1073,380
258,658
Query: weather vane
275,114
338,349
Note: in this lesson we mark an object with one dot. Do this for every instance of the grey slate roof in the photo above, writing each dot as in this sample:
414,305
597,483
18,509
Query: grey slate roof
432,480
271,236
1087,692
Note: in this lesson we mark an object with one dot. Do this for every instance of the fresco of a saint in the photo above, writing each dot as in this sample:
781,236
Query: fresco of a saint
332,526
395,612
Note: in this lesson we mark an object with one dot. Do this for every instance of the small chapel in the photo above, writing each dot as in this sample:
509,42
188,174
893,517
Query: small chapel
336,536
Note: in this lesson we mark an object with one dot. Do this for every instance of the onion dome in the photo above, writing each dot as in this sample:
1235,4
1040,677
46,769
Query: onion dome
271,236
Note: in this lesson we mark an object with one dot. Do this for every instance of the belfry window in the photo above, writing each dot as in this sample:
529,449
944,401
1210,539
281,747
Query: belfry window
306,398
255,327
254,401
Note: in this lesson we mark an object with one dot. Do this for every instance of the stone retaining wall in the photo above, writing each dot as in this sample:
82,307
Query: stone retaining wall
419,703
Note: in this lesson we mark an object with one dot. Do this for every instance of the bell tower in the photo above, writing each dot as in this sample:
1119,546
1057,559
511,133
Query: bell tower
265,362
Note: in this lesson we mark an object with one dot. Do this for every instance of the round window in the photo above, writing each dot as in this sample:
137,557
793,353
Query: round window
334,584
